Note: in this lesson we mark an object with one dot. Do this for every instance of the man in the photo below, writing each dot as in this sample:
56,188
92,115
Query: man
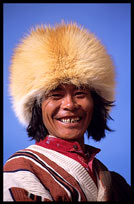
62,83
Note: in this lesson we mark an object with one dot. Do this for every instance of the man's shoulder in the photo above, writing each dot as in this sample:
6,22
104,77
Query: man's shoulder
116,177
27,158
120,185
19,158
120,189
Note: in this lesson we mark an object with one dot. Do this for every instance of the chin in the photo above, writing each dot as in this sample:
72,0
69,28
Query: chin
69,136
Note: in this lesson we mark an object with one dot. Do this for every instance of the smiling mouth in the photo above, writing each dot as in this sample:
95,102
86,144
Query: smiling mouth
70,120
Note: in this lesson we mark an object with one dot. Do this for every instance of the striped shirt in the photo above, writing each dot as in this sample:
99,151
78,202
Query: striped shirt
73,150
41,174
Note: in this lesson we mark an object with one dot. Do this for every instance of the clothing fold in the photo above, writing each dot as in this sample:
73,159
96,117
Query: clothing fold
38,173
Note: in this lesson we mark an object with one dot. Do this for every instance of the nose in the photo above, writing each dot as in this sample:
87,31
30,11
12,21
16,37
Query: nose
69,103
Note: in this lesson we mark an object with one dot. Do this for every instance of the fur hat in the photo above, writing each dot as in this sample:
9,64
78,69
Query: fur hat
49,56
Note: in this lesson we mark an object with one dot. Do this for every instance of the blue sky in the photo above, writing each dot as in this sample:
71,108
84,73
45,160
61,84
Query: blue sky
111,24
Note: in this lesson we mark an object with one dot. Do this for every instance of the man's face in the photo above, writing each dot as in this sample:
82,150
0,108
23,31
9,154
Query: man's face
67,111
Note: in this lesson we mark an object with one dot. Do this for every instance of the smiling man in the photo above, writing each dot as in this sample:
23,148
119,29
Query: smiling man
67,112
62,84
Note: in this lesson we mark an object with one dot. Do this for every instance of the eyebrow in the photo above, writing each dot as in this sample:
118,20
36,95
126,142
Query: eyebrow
57,89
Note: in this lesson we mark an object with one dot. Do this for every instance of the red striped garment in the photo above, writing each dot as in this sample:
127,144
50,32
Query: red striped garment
41,174
73,150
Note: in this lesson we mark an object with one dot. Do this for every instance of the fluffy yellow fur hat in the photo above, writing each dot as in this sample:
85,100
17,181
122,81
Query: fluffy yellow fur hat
49,56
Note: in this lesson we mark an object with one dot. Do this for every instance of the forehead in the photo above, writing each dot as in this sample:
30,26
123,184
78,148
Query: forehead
71,87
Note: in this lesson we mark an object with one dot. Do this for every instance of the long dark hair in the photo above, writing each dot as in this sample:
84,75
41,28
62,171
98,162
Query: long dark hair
98,125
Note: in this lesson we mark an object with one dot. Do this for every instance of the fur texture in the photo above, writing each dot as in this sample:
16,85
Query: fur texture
49,56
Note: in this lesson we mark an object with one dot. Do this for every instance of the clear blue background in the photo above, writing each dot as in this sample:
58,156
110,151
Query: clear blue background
111,24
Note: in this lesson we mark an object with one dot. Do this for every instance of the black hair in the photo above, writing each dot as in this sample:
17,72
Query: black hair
36,129
100,117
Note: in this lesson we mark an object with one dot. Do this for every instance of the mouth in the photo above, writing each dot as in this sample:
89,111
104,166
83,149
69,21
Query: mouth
70,120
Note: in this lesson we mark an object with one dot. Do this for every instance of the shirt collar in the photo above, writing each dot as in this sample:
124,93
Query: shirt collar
62,145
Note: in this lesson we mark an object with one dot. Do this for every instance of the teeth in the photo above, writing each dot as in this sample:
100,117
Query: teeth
70,120
74,119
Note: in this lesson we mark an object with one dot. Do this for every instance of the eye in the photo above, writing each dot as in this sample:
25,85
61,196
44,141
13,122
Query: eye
56,96
80,94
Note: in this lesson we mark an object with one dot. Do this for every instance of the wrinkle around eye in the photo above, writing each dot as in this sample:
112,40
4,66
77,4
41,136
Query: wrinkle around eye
56,96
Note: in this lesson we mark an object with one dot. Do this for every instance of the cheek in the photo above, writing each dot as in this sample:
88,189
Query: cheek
48,110
89,107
